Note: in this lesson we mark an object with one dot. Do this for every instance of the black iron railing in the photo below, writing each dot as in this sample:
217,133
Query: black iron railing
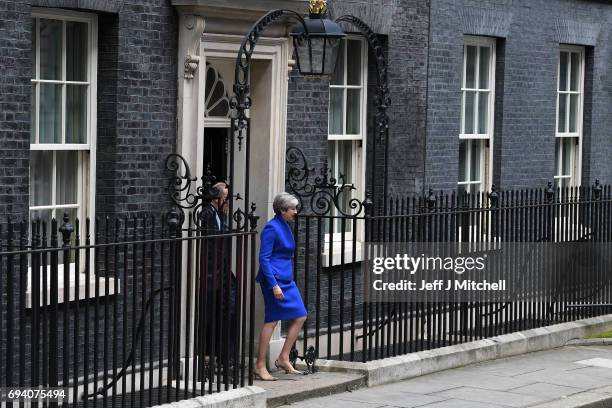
331,247
126,312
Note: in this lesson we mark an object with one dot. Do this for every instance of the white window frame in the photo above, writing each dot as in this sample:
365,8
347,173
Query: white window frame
487,139
87,167
86,200
358,162
576,160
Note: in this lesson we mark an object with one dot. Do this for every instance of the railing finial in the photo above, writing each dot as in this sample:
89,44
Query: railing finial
550,192
494,196
66,230
597,188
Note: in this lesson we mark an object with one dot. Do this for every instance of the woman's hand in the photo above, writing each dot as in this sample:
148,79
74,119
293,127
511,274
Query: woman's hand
278,293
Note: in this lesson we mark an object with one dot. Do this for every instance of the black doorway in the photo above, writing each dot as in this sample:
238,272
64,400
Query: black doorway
216,152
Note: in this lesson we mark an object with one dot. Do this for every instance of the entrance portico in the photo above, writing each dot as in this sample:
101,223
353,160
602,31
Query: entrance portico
210,34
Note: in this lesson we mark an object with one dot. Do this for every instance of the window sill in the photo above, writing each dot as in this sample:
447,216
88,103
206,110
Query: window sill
336,255
113,284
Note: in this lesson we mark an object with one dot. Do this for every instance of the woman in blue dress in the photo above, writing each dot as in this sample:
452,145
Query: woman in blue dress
281,295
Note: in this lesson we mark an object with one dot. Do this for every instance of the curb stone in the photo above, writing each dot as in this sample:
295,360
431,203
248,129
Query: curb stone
403,367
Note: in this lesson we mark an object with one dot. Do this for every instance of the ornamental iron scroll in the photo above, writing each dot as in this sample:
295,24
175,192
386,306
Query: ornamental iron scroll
187,195
323,193
183,189
241,100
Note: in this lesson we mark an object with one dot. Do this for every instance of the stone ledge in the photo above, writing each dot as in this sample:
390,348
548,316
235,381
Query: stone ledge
251,396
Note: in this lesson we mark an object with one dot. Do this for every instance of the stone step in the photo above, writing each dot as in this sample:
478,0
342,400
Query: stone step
292,388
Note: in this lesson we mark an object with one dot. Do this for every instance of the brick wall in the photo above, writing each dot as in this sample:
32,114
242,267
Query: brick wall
137,106
15,90
524,130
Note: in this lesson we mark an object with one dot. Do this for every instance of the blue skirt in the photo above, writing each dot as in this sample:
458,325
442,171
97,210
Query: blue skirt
291,307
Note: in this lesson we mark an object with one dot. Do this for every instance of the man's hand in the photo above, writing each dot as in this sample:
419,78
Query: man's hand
278,293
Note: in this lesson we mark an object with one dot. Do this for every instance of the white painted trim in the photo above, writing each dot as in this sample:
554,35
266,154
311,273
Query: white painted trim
576,159
87,202
486,168
359,140
275,50
72,288
87,166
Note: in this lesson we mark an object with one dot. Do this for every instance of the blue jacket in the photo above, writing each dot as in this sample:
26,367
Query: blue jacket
276,253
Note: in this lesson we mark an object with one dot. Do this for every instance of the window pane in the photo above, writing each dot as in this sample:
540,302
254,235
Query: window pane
575,72
353,67
50,49
331,157
336,117
67,177
50,113
573,119
76,113
338,77
483,112
41,173
558,156
34,61
568,147
463,160
76,51
345,162
562,125
563,62
33,115
353,114
485,57
468,115
470,70
476,147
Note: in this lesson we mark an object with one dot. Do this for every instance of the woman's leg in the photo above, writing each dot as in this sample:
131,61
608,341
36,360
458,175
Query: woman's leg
292,334
264,341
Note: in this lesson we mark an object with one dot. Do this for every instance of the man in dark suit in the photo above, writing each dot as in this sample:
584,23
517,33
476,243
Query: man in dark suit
221,285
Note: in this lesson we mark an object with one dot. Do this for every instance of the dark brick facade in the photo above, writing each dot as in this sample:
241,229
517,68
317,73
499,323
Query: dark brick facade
136,106
529,34
15,91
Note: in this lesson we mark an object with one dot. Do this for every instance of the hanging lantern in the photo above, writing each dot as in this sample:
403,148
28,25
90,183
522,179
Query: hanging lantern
316,51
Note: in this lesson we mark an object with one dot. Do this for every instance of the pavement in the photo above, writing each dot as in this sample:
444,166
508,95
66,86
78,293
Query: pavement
571,376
